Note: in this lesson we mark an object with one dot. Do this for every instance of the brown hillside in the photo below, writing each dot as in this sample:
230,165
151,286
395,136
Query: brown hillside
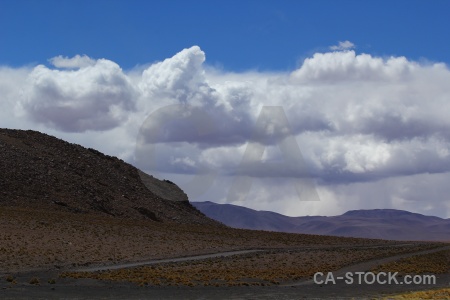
44,172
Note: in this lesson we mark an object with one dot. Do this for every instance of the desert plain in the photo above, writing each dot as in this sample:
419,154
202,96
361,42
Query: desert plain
53,254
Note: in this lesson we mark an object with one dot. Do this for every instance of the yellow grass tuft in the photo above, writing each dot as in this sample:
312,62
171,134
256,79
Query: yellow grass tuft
429,294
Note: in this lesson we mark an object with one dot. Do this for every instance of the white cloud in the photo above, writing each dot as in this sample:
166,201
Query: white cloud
72,63
94,97
180,77
336,67
368,127
346,45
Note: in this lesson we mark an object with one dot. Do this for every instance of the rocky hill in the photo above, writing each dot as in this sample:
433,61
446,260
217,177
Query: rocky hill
44,172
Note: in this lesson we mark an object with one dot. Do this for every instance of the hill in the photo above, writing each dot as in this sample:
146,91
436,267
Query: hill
43,172
390,224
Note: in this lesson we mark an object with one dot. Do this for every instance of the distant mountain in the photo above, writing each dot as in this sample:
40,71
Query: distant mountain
43,172
390,224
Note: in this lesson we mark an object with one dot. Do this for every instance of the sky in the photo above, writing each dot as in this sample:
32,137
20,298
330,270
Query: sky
298,107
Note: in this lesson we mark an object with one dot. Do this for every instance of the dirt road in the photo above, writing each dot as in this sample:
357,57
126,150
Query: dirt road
168,260
84,288
368,265
207,256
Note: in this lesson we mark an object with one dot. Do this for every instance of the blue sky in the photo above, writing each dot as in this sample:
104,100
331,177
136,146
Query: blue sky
236,35
359,92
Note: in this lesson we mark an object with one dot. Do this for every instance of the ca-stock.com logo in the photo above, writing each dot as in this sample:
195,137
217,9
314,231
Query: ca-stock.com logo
197,125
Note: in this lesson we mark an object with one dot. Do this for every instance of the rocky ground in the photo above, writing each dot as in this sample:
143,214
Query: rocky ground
43,172
32,239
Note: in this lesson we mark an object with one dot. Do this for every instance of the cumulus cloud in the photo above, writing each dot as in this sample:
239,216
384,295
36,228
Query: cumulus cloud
335,67
357,118
361,123
97,96
180,77
346,45
72,63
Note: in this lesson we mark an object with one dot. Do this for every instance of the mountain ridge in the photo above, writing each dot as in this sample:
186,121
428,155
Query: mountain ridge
384,212
391,224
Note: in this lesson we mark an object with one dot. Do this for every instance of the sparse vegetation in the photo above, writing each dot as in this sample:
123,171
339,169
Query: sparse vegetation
34,281
33,238
434,263
257,269
437,294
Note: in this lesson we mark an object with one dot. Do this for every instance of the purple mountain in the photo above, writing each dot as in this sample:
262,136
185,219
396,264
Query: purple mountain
389,224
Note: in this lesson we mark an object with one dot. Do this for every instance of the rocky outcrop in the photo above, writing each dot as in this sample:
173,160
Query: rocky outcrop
38,170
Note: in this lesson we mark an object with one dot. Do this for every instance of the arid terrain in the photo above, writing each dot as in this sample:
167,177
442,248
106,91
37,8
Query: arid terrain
45,250
32,239
42,172
67,230
48,252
